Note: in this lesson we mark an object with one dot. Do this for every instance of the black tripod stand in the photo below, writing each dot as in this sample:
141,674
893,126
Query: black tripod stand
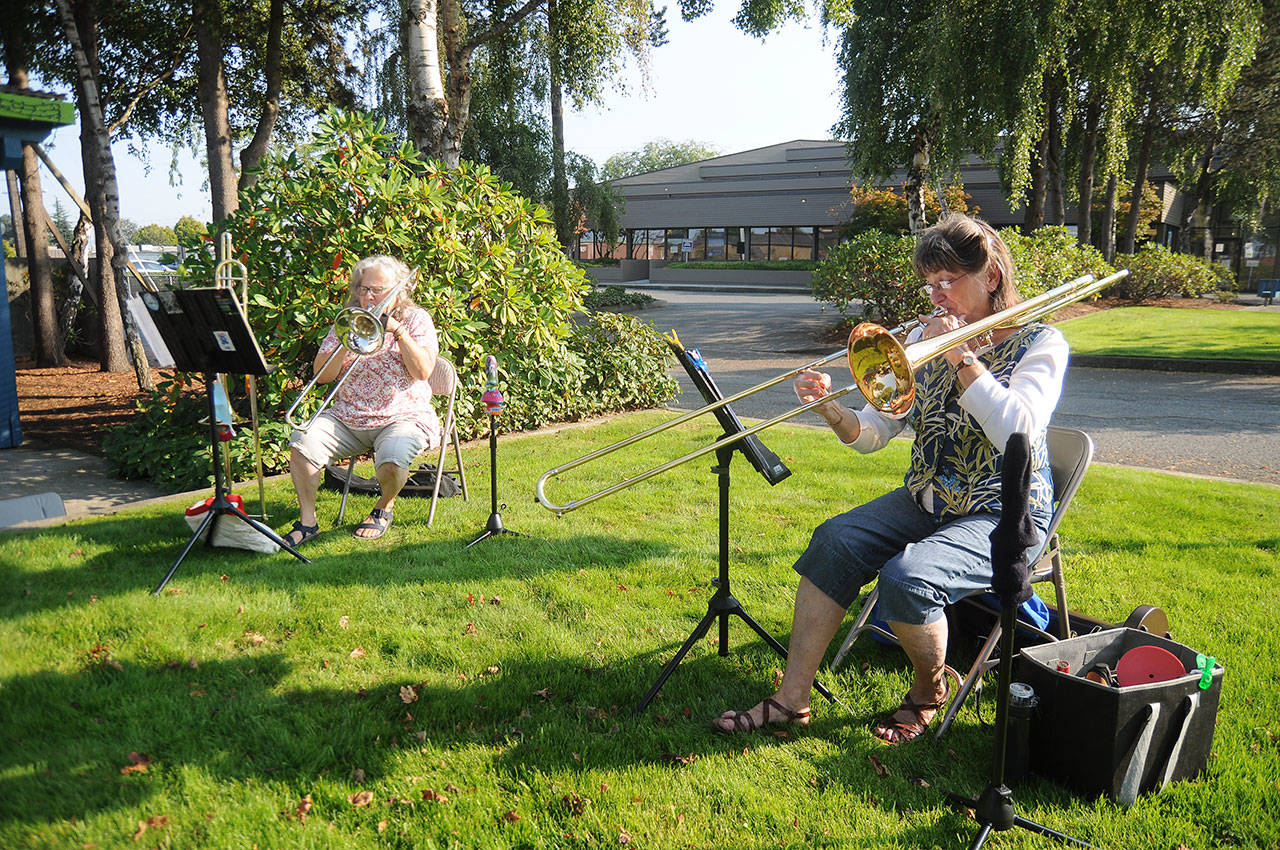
206,331
221,504
994,808
722,604
493,402
494,526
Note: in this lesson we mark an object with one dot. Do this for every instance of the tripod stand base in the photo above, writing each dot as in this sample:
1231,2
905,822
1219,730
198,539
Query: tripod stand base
722,605
493,528
220,507
994,810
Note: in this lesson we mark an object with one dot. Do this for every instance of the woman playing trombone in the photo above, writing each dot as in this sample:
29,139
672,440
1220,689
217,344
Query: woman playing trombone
383,406
926,541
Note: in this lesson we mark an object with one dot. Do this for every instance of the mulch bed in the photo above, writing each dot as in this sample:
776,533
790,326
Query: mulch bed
72,406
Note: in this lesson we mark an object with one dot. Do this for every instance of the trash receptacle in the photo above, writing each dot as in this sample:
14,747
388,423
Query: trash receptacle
1098,737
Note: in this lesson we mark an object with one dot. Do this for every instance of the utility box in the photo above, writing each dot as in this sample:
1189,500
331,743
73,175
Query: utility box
1099,738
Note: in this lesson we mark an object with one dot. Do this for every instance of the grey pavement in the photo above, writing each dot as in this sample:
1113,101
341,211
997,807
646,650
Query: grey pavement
1203,423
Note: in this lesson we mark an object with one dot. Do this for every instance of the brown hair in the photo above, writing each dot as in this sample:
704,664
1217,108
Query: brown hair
960,243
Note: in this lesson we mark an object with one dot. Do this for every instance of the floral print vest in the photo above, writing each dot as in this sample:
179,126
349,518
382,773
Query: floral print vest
952,452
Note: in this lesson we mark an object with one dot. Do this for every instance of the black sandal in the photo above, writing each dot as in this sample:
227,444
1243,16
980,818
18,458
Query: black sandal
308,532
375,522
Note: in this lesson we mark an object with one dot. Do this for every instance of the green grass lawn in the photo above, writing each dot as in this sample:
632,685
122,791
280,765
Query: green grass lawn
415,693
1174,332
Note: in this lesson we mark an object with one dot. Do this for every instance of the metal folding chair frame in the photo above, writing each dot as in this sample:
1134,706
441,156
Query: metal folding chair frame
444,382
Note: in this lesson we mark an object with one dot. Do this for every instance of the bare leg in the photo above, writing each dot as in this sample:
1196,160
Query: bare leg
306,483
391,480
926,648
815,621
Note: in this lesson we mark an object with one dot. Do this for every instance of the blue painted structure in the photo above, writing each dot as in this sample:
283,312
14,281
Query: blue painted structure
25,116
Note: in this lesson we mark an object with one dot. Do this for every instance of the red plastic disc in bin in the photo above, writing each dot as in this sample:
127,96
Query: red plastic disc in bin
1144,665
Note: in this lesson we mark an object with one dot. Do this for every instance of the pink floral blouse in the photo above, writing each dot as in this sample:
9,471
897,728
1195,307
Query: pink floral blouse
380,390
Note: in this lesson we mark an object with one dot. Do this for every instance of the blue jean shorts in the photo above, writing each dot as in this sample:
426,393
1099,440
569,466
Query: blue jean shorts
923,564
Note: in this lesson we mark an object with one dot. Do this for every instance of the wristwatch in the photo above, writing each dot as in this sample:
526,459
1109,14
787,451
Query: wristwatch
968,359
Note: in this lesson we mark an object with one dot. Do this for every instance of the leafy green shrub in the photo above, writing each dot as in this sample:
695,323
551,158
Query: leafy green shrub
1051,256
875,269
490,272
627,363
1157,272
748,265
611,297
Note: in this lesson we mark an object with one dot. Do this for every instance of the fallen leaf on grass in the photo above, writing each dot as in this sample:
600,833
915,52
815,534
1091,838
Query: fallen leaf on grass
254,638
360,798
575,804
304,806
684,760
344,621
623,838
142,827
358,652
408,694
545,693
382,826
923,783
492,669
224,577
511,816
495,601
138,763
952,753
434,796
782,733
470,629
623,587
881,770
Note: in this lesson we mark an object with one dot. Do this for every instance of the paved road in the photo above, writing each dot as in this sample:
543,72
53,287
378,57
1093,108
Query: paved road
1199,423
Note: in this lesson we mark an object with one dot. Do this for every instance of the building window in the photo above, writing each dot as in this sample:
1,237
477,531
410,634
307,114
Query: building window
716,243
758,246
675,235
827,239
780,247
697,236
803,244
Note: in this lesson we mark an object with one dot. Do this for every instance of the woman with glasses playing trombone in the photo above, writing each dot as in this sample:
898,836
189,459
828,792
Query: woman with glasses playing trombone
383,405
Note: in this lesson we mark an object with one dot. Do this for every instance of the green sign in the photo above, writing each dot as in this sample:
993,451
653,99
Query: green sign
43,110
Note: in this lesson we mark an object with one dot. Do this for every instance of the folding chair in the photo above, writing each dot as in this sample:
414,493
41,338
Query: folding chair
444,383
1070,452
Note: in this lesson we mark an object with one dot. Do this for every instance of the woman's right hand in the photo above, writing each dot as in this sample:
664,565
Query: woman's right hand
811,385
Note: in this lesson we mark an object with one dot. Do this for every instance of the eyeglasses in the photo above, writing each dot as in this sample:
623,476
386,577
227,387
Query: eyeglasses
942,285
371,290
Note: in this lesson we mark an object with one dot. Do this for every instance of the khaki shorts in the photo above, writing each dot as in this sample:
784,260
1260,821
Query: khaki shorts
328,440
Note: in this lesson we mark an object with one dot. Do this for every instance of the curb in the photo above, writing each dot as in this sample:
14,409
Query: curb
1176,364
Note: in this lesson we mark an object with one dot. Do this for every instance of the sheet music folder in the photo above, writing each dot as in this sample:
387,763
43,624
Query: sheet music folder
205,330
766,462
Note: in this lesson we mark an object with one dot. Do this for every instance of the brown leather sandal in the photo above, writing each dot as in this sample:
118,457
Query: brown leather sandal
892,731
743,722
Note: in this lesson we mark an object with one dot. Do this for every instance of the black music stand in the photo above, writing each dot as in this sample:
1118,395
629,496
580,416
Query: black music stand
206,331
493,402
722,603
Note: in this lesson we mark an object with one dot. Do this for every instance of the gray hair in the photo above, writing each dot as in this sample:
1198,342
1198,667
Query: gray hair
389,266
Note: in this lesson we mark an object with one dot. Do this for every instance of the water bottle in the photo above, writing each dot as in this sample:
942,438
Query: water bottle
1017,754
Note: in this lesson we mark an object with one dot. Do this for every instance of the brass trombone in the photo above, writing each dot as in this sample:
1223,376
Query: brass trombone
359,330
883,371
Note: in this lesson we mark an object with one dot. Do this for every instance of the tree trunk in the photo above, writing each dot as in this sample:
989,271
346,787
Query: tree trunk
44,313
15,216
77,282
1034,215
1056,212
426,108
917,174
117,328
457,53
1130,239
1088,160
559,179
252,155
1107,236
214,107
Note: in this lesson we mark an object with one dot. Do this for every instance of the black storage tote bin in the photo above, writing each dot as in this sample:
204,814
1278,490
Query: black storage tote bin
1097,738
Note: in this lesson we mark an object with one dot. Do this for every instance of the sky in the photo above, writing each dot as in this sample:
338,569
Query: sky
709,84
